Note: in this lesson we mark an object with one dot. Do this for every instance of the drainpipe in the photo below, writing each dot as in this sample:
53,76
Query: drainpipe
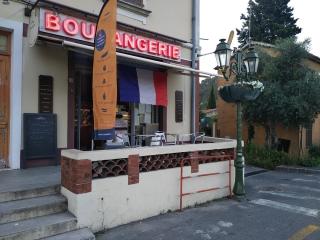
195,44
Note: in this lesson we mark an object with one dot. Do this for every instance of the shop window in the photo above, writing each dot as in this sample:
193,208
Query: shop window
45,94
179,106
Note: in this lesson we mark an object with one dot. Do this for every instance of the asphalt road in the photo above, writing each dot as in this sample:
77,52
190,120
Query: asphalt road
278,206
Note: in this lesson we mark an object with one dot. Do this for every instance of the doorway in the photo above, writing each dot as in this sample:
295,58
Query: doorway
4,98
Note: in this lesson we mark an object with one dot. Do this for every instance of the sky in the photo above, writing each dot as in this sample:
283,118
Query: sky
218,18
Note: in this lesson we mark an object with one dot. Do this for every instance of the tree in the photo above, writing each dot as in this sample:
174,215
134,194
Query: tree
270,20
291,93
212,99
205,87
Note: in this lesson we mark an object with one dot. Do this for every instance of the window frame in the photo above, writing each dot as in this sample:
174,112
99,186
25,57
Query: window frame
8,35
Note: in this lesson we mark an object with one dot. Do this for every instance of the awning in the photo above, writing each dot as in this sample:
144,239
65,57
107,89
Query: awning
146,60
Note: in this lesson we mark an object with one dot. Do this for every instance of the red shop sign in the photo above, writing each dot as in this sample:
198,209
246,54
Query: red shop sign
75,28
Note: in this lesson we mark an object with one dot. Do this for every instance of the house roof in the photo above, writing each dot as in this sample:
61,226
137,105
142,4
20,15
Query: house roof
311,56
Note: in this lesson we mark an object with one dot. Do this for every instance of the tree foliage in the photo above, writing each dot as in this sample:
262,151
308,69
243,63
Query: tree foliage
212,99
291,94
270,20
206,86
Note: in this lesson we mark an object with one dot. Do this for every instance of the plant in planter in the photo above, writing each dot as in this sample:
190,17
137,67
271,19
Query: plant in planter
241,92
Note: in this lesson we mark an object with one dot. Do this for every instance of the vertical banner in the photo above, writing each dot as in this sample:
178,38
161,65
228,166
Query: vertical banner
104,82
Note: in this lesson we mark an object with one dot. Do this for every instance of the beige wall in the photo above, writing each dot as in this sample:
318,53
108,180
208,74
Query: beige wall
172,18
13,11
316,131
46,60
178,82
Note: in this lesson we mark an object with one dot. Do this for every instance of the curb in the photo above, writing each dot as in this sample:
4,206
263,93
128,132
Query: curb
297,169
255,172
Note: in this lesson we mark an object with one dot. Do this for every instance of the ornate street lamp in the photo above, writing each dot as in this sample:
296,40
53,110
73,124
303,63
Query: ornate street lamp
223,54
251,61
243,66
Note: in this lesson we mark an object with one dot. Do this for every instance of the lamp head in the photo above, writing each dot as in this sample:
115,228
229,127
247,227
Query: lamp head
251,61
223,54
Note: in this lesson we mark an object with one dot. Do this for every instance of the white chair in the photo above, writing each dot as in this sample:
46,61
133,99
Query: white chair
123,139
199,137
191,138
160,139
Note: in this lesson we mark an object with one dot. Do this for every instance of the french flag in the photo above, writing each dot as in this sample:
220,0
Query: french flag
142,86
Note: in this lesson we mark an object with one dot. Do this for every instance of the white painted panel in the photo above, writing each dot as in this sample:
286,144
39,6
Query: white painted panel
113,202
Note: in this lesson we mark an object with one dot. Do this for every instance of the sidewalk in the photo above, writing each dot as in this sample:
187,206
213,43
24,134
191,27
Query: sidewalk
299,169
15,180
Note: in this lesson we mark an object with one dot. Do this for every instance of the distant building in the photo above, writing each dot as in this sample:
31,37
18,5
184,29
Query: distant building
291,139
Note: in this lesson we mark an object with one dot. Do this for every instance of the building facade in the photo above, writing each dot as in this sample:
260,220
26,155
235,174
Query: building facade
46,67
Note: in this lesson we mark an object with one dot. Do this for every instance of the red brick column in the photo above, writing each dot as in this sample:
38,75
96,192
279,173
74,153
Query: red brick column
76,175
194,161
133,169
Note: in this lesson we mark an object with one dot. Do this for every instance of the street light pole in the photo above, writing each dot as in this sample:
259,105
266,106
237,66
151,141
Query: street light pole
242,66
239,187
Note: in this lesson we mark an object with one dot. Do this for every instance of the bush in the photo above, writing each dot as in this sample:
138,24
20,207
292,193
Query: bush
310,162
314,151
270,159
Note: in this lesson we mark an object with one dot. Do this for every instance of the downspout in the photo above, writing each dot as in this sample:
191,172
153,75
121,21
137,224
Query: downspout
195,44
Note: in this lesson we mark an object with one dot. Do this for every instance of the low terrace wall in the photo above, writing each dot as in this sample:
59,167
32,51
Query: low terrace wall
108,188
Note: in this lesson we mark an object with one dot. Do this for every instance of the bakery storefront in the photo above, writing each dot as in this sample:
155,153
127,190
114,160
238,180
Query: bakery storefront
146,80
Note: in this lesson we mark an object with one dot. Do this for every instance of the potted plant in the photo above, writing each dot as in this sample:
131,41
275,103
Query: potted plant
241,92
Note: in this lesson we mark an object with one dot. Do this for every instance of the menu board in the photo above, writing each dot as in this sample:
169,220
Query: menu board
40,135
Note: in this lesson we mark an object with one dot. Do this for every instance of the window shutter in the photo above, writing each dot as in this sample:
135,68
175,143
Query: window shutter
179,106
45,94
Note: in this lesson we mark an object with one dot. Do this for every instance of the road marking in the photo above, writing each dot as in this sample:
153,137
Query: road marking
304,232
304,180
301,187
288,195
287,207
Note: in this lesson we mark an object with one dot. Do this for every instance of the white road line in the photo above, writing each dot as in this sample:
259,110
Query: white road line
301,187
304,180
287,207
288,195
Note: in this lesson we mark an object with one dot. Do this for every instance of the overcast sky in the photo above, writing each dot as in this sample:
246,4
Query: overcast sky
218,18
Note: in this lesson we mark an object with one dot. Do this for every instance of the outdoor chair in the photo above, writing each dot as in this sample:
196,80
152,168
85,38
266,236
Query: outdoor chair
160,139
123,139
198,137
191,138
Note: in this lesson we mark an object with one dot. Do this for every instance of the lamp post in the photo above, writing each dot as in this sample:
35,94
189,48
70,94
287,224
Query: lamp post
243,65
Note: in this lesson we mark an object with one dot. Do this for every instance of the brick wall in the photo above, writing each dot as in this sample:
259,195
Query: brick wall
76,175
